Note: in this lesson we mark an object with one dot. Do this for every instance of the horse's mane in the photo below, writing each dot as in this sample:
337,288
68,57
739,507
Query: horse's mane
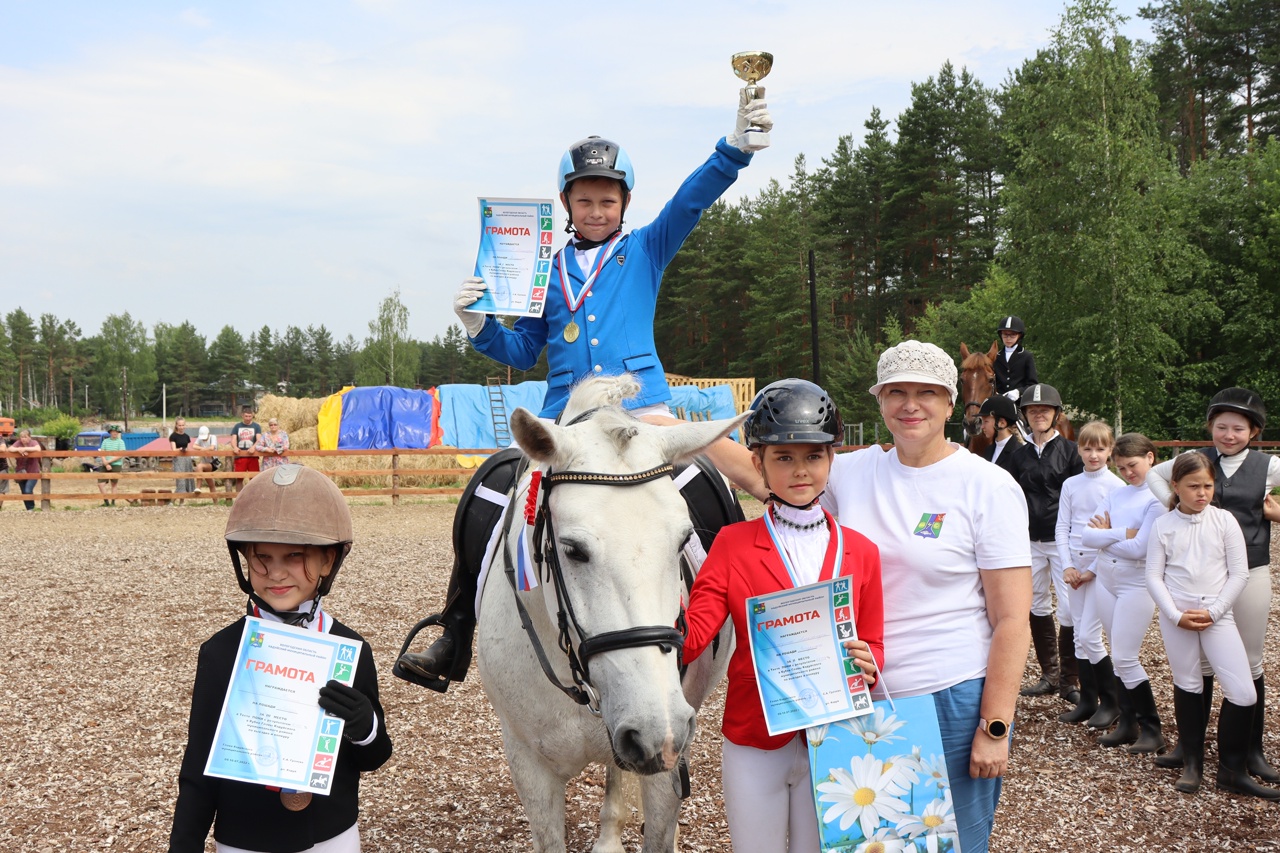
976,361
605,393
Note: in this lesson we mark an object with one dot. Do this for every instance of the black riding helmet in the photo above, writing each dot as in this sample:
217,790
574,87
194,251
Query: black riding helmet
1000,407
1040,395
595,157
793,411
1241,400
1013,324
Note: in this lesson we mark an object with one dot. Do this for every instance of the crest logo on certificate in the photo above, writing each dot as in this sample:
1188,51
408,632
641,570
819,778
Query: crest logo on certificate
805,675
272,731
514,259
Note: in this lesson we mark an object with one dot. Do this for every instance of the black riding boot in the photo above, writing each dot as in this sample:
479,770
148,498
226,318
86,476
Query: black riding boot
1150,737
1088,703
1173,758
449,657
1108,695
1258,765
1126,731
1189,711
1235,728
1069,679
1044,637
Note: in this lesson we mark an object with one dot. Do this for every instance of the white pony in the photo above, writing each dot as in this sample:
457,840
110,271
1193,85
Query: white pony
614,527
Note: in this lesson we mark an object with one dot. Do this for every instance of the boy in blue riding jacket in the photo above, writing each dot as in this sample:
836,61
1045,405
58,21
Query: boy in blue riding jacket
604,291
598,317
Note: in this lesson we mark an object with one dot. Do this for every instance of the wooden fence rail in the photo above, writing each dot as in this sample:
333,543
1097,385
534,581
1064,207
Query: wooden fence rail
136,478
47,477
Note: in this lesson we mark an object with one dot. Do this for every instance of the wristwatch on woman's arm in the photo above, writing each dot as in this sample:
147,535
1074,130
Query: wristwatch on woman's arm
997,729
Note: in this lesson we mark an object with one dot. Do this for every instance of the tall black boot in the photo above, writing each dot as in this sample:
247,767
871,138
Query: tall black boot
449,657
1088,702
1150,736
1235,728
1189,711
1108,695
1126,731
1044,637
1173,758
1069,677
1258,765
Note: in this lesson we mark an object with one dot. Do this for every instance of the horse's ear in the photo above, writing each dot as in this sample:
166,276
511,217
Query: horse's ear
964,350
535,437
683,442
994,351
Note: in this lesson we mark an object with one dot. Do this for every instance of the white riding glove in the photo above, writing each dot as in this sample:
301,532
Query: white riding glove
750,114
470,290
1013,394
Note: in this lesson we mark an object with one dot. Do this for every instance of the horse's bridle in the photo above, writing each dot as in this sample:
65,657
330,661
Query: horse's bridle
663,636
964,418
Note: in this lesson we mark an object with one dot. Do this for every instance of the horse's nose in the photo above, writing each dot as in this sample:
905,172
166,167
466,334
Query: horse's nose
648,749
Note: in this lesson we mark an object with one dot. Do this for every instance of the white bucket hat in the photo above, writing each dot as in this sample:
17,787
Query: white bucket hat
204,432
914,361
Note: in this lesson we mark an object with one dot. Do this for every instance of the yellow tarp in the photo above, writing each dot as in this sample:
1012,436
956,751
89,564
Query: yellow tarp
330,419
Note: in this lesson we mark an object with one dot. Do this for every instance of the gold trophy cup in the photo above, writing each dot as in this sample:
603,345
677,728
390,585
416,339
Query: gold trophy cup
753,66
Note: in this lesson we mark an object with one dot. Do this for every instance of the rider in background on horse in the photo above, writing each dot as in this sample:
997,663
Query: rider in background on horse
792,432
1000,425
1041,467
292,530
1015,367
598,318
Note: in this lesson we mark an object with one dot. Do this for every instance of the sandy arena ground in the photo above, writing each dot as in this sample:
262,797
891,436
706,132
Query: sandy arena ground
106,608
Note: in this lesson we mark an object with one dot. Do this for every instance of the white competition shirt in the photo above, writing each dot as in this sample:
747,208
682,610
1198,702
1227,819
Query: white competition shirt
935,527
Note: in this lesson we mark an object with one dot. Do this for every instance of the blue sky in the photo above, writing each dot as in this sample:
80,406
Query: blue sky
282,162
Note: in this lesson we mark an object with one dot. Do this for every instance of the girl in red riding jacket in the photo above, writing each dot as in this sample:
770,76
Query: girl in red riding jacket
793,430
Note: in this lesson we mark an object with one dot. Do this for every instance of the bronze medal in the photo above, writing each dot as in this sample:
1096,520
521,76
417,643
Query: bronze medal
571,332
295,801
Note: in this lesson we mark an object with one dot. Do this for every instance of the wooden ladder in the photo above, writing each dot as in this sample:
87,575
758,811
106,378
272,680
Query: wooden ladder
498,412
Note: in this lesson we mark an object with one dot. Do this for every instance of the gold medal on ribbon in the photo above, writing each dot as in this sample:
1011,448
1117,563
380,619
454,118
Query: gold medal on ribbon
295,801
571,331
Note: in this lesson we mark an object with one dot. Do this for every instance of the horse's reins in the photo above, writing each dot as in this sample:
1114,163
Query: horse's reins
664,637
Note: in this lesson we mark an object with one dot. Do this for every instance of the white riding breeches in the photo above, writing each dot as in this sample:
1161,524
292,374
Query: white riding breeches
768,798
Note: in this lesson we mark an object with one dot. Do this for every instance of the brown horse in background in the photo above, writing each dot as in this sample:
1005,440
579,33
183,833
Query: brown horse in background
977,383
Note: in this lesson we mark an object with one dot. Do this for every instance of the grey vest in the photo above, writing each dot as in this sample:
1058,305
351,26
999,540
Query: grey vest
1241,495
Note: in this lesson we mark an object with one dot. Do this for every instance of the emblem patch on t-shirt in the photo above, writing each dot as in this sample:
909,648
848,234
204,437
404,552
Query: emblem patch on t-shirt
930,526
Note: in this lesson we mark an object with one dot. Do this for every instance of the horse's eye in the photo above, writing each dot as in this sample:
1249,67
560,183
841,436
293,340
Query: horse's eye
572,551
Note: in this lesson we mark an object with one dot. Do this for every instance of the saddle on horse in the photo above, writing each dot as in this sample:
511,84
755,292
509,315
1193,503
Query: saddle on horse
711,505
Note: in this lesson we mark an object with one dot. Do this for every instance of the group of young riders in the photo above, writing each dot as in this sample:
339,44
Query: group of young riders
1187,539
1110,552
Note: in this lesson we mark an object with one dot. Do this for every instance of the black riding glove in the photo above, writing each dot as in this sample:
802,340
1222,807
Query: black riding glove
350,705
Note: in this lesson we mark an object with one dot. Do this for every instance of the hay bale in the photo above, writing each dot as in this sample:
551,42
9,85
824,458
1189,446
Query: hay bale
304,439
293,413
335,465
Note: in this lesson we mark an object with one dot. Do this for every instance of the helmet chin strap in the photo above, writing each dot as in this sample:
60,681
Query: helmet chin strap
296,618
809,505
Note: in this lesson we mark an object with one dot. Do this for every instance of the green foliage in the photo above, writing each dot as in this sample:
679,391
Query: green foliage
63,426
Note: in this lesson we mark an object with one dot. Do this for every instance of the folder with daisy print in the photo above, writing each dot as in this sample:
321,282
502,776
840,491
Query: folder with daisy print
880,781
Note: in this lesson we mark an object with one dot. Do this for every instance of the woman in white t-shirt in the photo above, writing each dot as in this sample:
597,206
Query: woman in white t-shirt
952,533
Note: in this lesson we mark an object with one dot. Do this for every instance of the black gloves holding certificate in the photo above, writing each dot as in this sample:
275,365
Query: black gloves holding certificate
350,705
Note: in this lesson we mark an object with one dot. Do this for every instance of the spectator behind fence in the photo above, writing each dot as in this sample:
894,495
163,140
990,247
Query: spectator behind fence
244,438
182,463
273,445
4,468
110,464
208,464
25,464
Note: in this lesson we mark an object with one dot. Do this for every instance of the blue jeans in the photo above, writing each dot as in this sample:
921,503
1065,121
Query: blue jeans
28,487
975,800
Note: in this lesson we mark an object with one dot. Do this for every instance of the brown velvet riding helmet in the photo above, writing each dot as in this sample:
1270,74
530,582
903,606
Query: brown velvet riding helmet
293,505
